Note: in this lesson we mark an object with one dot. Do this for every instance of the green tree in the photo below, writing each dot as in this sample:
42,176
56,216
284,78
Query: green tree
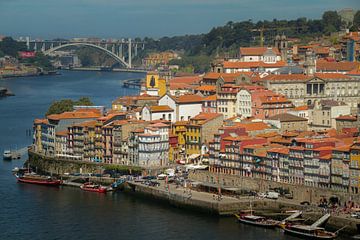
40,60
356,22
331,21
84,101
67,105
11,47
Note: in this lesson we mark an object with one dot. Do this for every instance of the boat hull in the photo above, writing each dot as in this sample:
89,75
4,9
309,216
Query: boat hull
98,190
40,182
254,223
305,235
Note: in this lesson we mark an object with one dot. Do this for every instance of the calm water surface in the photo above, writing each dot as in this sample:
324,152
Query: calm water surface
38,212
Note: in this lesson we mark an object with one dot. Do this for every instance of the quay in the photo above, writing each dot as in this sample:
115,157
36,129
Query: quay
227,206
132,70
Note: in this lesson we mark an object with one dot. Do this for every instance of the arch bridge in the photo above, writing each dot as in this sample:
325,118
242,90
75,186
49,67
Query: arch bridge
122,51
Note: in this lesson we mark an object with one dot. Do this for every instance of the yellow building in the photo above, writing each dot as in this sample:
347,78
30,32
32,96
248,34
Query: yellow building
355,168
155,85
179,130
199,132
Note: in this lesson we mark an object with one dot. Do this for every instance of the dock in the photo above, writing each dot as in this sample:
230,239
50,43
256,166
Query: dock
132,83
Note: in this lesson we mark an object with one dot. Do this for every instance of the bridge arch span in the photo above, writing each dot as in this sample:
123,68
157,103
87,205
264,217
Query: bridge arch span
111,54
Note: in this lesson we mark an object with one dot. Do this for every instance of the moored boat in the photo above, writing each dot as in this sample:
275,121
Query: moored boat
260,221
92,187
7,155
38,179
309,232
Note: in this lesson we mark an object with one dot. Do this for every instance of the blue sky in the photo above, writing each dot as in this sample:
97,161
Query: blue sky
154,18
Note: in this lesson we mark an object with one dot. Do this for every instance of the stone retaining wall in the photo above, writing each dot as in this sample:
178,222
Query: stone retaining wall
300,193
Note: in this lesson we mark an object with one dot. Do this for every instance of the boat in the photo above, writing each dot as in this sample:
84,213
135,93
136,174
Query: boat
248,218
92,187
309,232
38,179
7,155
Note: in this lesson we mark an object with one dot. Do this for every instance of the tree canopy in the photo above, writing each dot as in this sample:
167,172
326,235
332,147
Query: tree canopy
9,46
67,105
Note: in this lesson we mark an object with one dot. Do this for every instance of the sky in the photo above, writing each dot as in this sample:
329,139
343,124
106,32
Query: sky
49,19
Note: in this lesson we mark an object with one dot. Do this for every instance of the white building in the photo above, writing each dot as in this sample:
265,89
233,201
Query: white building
153,146
243,103
185,106
163,112
259,54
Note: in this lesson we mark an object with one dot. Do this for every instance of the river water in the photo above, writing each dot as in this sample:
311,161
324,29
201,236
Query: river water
38,212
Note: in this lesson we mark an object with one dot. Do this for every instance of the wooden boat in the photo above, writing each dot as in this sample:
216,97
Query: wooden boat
7,155
92,187
249,218
309,232
38,179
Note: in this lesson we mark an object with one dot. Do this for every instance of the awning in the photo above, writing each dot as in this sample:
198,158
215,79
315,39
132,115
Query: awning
193,156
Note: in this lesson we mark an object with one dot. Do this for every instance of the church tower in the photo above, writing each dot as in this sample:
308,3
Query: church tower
281,43
310,63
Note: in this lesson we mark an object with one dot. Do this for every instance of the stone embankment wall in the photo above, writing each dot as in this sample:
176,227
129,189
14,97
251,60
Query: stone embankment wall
300,193
59,167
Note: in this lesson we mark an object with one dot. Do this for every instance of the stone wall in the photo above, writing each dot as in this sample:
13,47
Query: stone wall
300,193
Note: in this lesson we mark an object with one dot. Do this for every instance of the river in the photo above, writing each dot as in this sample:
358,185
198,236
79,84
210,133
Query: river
38,212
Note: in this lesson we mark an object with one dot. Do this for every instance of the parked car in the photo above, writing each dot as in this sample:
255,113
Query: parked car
272,195
305,203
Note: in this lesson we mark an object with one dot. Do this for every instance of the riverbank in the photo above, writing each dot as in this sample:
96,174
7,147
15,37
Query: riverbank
100,69
192,199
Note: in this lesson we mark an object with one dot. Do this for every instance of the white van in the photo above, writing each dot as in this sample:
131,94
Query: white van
272,195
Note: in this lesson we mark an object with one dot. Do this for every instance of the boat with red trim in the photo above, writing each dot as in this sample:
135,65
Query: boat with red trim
248,218
38,179
92,187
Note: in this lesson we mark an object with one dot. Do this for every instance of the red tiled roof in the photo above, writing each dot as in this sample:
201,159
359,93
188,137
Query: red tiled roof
256,51
209,88
323,65
210,98
189,98
301,108
73,115
246,65
41,121
161,108
347,118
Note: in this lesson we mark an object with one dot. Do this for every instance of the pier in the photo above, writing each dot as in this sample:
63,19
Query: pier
133,83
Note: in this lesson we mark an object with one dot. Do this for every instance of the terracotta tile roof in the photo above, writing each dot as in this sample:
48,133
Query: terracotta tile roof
62,133
344,148
286,117
209,88
323,65
268,135
253,126
175,86
301,108
283,150
206,116
110,116
87,124
246,65
300,77
256,51
74,115
347,118
161,108
41,121
189,98
332,76
186,80
181,123
210,98
215,76
159,125
326,157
